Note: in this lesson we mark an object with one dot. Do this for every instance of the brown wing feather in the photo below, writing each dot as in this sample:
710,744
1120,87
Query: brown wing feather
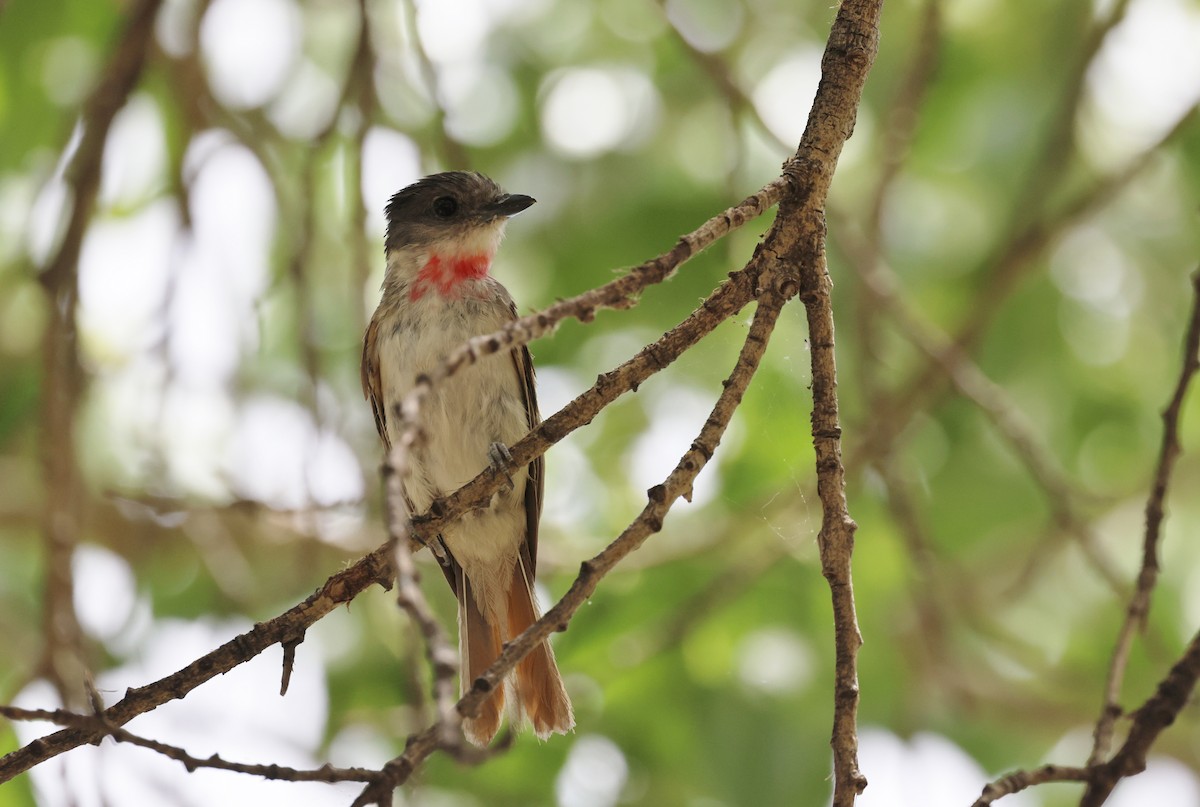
536,486
371,384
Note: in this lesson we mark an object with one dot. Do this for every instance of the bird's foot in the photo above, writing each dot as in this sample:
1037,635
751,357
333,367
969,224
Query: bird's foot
500,458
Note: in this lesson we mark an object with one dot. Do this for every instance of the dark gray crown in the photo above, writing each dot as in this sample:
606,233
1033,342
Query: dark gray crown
447,205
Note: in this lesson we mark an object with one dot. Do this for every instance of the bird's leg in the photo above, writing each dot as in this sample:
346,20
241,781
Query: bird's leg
500,458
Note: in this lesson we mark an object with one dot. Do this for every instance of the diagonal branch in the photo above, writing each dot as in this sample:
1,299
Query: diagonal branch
326,773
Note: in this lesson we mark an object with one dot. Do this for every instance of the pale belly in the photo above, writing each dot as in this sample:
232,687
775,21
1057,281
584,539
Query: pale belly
480,405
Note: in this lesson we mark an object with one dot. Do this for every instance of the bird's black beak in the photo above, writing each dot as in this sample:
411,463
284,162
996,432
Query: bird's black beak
510,204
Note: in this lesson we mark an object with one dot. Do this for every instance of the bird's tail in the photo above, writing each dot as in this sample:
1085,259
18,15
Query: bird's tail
539,694
479,645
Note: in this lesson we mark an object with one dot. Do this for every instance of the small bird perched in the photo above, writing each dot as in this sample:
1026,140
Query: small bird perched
442,233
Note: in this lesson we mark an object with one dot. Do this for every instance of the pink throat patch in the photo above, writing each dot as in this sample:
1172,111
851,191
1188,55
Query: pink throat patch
444,274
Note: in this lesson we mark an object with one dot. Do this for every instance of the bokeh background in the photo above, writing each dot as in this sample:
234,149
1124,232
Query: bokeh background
1024,175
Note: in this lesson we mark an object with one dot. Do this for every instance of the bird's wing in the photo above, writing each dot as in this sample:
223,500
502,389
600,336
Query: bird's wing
372,386
536,486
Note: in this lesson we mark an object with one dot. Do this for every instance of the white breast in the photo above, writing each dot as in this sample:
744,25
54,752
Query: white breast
480,405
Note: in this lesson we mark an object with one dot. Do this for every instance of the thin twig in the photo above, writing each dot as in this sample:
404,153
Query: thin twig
1017,781
1156,714
1139,604
63,717
442,658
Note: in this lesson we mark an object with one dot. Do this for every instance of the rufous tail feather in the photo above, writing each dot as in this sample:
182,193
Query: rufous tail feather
479,645
540,693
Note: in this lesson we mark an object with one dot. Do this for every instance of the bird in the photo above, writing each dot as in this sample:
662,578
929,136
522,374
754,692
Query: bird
442,235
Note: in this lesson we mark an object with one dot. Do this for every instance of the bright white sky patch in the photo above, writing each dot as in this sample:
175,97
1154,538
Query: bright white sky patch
927,770
1165,781
775,661
708,25
453,30
481,103
594,774
784,96
222,271
135,155
239,714
123,274
105,591
1145,77
249,47
588,111
390,161
277,456
676,416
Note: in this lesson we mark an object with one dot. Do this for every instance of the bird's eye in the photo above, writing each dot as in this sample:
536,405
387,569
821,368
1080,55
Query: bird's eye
444,207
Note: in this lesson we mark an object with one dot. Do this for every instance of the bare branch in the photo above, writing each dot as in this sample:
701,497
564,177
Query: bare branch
442,658
1139,604
340,588
1017,781
797,240
326,773
1156,714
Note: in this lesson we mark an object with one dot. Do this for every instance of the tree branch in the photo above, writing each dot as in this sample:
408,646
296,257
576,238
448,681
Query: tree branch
326,773
1156,714
1017,781
797,240
1139,604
